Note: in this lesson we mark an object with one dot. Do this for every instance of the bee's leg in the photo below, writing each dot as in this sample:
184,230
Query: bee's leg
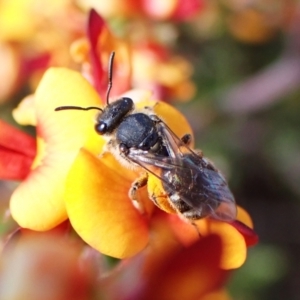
193,215
150,108
197,229
187,139
133,192
136,185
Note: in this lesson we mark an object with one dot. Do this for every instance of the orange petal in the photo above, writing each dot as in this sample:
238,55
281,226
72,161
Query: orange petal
100,210
38,202
234,246
187,274
221,294
185,232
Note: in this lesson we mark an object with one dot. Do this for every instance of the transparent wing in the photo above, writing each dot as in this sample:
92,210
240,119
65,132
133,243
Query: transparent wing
199,184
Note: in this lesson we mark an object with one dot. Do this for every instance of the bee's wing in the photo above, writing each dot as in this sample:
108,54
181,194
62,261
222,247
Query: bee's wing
213,183
212,195
217,191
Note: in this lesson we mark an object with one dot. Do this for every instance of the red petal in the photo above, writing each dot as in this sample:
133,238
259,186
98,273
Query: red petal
16,140
32,64
251,238
186,9
95,27
17,151
14,166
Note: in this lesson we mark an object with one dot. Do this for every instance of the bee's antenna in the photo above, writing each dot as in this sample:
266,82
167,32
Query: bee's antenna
77,107
110,75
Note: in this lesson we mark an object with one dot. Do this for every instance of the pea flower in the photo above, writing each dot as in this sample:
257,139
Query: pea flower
73,178
144,63
198,271
67,175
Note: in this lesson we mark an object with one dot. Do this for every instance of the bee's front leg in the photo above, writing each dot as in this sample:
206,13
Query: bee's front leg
136,185
133,192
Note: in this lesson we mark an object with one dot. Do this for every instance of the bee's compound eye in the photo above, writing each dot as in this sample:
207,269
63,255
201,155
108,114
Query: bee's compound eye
101,128
128,102
123,149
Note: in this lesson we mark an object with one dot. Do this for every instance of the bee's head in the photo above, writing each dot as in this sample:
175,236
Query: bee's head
112,115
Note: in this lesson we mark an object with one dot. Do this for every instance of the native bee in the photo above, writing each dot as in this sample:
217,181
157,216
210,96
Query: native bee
190,184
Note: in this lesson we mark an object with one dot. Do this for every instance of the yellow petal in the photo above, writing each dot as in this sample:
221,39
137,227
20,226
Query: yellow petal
234,247
38,202
99,208
17,20
24,113
244,217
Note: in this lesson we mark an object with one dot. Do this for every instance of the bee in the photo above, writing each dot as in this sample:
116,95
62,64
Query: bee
189,183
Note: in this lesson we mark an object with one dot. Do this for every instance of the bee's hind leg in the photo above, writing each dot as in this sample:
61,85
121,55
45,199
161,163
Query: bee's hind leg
197,229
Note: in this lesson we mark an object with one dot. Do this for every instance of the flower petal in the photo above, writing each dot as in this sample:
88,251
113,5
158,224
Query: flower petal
10,61
234,246
100,210
102,44
251,238
95,27
17,150
50,261
186,9
244,217
24,113
244,225
15,15
38,202
221,294
14,166
159,10
200,265
16,140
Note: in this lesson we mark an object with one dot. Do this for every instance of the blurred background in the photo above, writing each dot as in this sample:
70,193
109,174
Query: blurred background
239,86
